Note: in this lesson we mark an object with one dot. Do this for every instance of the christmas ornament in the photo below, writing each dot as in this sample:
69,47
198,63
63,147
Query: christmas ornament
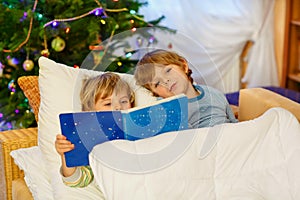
45,53
151,40
28,65
97,55
58,44
12,61
98,11
54,24
12,86
9,125
1,69
128,52
139,41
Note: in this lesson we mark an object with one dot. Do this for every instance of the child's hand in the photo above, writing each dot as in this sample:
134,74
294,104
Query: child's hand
62,145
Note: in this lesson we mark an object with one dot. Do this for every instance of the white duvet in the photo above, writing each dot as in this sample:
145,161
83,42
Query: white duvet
257,159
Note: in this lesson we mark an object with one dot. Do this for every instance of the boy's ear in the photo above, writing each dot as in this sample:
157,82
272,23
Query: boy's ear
186,66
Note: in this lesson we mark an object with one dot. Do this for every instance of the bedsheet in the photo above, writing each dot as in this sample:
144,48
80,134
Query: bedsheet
256,159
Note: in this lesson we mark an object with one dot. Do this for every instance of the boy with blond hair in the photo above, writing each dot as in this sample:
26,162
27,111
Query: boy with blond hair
101,93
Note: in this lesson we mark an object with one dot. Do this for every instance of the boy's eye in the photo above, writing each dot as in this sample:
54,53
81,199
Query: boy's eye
168,69
107,104
124,101
156,84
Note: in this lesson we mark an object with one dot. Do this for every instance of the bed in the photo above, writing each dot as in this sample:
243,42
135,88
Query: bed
257,158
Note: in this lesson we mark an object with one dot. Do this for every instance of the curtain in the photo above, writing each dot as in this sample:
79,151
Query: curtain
211,35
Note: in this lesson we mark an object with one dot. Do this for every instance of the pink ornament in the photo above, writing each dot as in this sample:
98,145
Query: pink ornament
28,65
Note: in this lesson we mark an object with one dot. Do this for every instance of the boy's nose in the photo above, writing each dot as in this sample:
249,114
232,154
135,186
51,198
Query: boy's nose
166,81
117,107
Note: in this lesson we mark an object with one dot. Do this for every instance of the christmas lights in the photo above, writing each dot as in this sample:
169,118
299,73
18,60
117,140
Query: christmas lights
54,22
68,39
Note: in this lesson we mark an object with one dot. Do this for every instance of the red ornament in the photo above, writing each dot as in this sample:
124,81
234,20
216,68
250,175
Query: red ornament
45,53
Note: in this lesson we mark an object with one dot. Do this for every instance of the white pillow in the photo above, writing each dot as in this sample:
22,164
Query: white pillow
32,162
59,91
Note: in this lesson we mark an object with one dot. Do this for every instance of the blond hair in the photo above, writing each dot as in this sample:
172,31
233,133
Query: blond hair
144,72
101,87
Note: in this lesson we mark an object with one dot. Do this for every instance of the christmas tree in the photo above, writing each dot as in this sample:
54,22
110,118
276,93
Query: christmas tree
64,31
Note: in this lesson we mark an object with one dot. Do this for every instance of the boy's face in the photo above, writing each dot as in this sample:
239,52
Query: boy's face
170,80
120,101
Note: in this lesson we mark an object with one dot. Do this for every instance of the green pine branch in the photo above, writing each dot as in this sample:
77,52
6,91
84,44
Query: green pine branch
78,35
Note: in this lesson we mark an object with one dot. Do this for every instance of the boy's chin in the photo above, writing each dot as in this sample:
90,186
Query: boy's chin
169,95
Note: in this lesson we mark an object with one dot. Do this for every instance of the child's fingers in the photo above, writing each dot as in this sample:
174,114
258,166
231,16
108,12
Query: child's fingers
65,148
63,145
63,142
62,148
60,137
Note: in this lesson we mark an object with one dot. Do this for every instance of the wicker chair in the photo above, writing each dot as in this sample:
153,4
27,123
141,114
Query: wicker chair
9,171
15,139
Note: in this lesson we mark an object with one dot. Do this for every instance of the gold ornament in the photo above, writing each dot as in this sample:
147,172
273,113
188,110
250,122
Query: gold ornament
58,44
28,65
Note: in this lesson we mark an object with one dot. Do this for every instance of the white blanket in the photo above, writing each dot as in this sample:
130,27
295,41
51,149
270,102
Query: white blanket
257,159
